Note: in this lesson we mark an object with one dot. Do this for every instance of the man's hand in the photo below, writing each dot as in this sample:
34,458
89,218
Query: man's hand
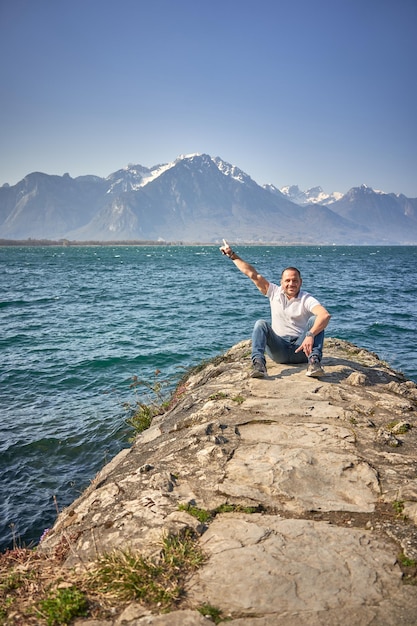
306,346
226,249
320,323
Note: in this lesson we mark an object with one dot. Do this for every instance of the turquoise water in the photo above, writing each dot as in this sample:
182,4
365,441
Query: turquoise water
78,322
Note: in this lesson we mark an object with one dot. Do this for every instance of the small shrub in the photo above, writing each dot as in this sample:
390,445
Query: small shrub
154,401
182,551
128,575
13,581
18,579
405,561
398,506
398,427
202,515
220,395
409,569
212,612
206,517
5,606
62,605
142,417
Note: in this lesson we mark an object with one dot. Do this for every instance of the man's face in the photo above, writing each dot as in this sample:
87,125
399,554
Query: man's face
291,283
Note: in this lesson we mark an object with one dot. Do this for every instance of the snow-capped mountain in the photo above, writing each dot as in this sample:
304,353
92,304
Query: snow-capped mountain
134,177
314,195
198,198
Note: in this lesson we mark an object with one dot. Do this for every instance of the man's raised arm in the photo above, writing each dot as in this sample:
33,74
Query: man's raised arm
246,268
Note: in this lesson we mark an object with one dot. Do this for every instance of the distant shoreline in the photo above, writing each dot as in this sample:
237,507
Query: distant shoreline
68,243
140,242
65,243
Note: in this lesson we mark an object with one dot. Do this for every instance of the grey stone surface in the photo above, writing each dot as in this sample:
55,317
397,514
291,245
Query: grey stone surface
331,463
300,566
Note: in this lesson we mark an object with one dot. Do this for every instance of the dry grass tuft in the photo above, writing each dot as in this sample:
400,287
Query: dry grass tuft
36,588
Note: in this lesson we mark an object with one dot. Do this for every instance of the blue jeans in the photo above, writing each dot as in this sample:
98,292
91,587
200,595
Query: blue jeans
282,349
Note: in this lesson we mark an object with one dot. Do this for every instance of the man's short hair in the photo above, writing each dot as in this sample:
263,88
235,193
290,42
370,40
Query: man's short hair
292,269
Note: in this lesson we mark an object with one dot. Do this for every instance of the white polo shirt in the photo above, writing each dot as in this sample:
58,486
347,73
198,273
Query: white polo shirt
289,317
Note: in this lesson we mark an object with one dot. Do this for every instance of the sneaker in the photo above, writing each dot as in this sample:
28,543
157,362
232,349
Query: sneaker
258,369
314,368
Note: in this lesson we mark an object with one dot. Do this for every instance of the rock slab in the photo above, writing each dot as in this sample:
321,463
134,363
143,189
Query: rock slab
329,464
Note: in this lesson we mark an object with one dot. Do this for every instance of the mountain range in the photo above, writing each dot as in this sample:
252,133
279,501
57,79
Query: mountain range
201,199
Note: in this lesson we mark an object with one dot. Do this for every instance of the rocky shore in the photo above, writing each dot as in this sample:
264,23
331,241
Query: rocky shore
309,488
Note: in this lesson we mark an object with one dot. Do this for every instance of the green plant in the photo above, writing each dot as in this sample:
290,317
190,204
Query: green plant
398,506
31,582
405,561
401,430
62,605
238,399
404,428
202,515
219,395
142,417
13,582
409,569
182,551
212,612
5,606
153,401
127,575
205,516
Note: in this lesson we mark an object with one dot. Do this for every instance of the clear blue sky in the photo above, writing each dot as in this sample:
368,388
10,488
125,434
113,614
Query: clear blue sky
307,92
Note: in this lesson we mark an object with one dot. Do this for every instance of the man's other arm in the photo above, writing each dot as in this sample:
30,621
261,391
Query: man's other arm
247,269
322,319
320,323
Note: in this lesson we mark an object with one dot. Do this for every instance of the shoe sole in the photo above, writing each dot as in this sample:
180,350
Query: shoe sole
317,374
257,374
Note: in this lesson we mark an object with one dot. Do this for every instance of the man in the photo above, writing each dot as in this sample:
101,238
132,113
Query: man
296,334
